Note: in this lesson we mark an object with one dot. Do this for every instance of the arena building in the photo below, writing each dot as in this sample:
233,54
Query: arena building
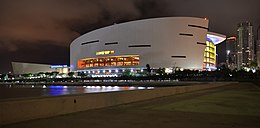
26,68
160,42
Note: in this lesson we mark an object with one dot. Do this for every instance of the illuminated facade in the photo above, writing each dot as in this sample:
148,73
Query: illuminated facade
231,52
160,42
258,52
258,46
109,61
245,45
210,57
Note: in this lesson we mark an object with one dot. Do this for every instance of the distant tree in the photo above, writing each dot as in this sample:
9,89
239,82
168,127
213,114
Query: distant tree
224,68
148,69
54,74
40,74
71,74
253,65
127,72
27,75
160,71
2,76
47,73
82,74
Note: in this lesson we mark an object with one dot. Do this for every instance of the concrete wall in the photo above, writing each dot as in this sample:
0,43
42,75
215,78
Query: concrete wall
33,108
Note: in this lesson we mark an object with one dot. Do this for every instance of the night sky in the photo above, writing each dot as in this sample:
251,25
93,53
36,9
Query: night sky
40,31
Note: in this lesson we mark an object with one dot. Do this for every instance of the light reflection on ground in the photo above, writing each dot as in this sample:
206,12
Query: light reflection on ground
18,91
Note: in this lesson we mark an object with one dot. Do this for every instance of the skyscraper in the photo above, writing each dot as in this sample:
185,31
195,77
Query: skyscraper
245,45
258,46
231,52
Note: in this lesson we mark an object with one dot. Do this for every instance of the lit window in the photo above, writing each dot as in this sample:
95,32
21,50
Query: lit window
113,63
109,61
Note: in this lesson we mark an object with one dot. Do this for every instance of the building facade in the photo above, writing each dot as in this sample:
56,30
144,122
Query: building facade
231,52
210,54
258,46
26,68
160,43
245,45
258,52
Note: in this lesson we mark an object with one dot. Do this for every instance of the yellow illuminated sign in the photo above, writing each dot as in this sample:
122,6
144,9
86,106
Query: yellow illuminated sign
105,52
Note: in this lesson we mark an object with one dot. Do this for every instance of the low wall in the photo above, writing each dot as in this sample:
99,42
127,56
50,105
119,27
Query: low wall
42,107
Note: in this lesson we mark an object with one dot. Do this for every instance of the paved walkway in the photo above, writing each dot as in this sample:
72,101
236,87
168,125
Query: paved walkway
202,109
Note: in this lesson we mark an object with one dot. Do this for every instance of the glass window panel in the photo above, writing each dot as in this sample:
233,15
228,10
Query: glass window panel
109,61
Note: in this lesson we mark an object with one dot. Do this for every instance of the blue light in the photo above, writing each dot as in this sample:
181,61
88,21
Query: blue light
59,66
211,67
215,39
56,87
56,90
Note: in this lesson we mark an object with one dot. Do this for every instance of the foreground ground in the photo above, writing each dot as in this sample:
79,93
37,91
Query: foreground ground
237,106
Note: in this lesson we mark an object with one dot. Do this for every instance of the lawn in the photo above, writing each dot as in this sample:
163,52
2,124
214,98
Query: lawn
244,101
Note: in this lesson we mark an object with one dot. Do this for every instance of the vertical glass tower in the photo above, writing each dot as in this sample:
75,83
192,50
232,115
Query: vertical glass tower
245,45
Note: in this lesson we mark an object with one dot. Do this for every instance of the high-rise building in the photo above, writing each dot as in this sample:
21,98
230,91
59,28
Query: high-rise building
245,45
231,52
258,46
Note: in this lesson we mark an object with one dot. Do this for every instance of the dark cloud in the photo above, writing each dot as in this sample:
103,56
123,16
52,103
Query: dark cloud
50,25
37,20
29,28
40,53
224,15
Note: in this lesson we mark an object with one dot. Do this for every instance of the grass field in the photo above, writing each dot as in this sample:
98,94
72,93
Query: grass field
241,101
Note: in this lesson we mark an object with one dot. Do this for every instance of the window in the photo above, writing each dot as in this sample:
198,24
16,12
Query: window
129,60
113,63
127,63
119,63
